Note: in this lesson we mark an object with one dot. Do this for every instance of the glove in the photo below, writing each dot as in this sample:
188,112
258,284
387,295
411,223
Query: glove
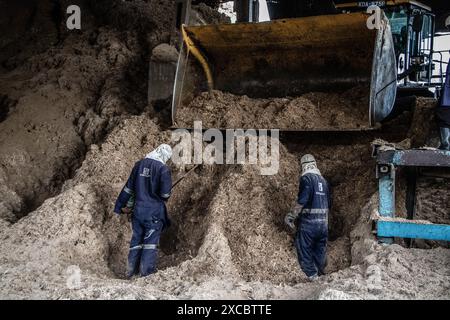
126,210
297,209
289,220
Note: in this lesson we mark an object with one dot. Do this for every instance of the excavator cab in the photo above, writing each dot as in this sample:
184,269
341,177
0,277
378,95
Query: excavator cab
412,26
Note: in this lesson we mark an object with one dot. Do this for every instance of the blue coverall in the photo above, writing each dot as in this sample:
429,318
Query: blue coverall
443,113
150,183
312,234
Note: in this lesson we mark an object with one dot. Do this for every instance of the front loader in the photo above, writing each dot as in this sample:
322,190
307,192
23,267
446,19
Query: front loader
290,57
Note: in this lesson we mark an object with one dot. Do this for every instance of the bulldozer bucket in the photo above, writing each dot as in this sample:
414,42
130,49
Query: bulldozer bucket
288,58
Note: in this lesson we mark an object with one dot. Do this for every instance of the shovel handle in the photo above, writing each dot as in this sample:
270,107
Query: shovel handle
184,176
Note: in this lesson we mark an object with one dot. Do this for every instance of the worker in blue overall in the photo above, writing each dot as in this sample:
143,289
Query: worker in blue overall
443,113
311,211
145,194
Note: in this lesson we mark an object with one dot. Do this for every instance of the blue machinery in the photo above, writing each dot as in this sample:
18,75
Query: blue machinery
388,226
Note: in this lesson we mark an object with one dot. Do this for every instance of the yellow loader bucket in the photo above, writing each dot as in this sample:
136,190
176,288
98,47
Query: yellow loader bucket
289,58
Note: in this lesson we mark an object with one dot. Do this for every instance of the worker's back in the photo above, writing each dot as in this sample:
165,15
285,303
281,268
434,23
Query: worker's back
152,182
315,197
149,185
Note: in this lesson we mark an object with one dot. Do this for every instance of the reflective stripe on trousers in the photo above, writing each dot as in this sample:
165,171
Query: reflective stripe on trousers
312,220
315,211
144,246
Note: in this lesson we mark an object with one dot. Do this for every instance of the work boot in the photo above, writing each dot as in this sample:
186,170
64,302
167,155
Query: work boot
133,277
313,278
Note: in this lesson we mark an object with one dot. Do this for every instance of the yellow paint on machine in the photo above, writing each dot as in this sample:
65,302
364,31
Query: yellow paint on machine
340,45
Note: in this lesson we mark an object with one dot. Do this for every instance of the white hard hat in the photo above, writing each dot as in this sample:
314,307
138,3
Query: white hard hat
307,158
